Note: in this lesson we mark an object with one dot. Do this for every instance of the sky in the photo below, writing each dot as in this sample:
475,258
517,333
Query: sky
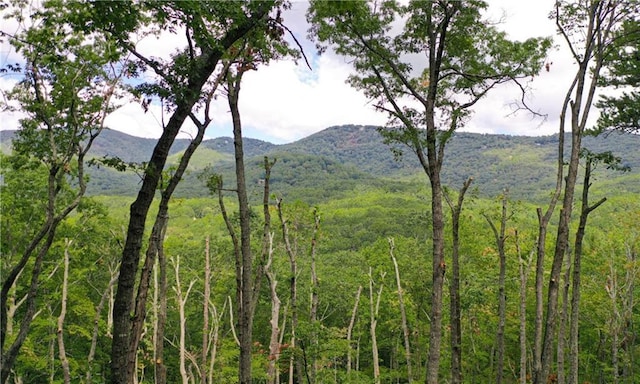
283,101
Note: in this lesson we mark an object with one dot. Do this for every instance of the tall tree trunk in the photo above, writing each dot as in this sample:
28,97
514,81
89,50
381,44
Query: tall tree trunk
315,287
543,222
245,299
597,30
614,326
122,366
215,337
374,307
454,285
563,320
523,269
577,273
96,324
293,286
160,369
352,323
206,296
500,238
274,345
157,237
403,312
62,353
181,300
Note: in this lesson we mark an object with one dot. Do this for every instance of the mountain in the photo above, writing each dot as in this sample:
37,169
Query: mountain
339,159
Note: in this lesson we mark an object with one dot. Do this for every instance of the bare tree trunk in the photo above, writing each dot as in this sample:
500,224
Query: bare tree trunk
315,287
160,369
600,20
96,323
629,333
523,269
403,312
274,345
63,312
204,358
563,319
294,297
612,289
373,310
352,323
215,335
454,285
182,301
577,273
500,238
245,269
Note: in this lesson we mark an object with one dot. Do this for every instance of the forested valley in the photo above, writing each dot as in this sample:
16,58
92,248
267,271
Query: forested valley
411,252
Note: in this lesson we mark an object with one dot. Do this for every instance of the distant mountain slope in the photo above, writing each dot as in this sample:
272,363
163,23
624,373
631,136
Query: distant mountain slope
339,158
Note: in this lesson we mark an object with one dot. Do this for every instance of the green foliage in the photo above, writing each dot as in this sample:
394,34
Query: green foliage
620,112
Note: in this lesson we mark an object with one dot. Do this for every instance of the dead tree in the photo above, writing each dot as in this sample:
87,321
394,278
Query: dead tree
403,312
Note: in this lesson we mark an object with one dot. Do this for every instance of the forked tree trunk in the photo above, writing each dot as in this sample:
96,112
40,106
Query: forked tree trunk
543,223
215,337
454,285
181,300
403,312
577,273
598,27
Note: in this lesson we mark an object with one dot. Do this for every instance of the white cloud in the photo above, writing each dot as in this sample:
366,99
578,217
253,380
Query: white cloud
288,102
283,101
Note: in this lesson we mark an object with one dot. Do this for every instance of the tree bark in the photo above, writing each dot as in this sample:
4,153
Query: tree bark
523,269
374,307
315,287
181,300
563,320
582,92
122,365
96,325
62,353
403,313
352,323
160,369
204,357
454,285
500,237
577,274
245,302
274,344
293,286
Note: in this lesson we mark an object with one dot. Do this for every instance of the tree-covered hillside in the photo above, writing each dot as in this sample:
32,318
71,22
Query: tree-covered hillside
358,156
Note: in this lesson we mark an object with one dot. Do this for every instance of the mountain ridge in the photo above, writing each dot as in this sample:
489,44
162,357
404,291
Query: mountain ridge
357,154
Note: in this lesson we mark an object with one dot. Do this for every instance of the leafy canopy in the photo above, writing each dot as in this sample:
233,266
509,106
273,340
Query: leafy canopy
425,59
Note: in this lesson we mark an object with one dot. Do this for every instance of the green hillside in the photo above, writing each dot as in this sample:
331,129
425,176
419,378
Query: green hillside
338,159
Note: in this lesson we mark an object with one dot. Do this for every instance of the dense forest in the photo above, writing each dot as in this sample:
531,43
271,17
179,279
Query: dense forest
411,252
